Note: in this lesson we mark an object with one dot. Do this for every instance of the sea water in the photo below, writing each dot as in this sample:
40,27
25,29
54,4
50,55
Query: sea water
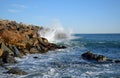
68,63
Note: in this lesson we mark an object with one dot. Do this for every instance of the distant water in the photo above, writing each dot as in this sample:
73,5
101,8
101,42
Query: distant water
67,63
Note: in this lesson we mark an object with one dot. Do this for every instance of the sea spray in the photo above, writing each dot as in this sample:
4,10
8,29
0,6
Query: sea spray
56,33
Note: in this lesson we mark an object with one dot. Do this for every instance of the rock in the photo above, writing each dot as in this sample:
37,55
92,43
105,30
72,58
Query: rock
25,51
1,62
117,61
99,58
34,50
61,47
52,46
7,55
1,52
16,52
7,58
16,70
90,56
6,49
13,37
42,49
35,57
21,45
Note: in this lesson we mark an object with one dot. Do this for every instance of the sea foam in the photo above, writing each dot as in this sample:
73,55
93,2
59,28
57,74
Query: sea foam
56,33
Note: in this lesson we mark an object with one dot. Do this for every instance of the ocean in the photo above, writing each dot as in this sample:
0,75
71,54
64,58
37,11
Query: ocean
68,63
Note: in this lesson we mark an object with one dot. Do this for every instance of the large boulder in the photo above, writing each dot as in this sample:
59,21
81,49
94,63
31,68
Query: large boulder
98,58
90,56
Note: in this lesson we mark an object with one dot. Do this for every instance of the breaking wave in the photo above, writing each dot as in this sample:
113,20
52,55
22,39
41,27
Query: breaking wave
56,34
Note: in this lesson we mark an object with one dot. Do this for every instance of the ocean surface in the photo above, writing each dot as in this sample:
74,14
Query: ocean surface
68,63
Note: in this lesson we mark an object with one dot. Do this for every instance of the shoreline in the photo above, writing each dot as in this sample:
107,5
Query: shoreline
18,39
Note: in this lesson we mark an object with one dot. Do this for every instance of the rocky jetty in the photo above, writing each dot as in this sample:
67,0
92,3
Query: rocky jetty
18,39
98,58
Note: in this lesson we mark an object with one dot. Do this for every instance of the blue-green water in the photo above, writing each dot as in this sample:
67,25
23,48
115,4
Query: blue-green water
67,63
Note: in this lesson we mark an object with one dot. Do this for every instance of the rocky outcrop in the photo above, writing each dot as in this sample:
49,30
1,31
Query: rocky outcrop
18,39
98,58
90,56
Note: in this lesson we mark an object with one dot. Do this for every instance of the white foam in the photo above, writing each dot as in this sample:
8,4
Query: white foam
56,33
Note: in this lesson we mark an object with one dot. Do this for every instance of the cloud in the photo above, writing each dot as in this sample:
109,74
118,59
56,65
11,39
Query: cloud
19,6
16,8
13,10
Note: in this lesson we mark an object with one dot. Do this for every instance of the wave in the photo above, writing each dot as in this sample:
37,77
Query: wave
56,34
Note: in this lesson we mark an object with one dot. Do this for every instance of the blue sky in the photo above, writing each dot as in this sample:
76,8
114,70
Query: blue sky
83,16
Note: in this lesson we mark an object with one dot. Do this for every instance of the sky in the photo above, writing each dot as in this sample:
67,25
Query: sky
82,16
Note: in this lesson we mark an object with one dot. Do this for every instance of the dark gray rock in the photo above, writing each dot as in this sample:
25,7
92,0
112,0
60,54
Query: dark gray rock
16,70
7,58
6,49
99,58
17,52
90,56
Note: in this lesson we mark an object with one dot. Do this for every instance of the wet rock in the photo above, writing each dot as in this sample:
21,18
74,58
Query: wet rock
7,55
16,52
117,61
7,58
52,46
35,57
42,49
90,56
16,70
61,47
19,39
1,62
43,41
99,58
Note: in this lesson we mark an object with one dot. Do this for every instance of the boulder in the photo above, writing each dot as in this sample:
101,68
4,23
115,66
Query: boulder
90,56
43,41
7,55
7,58
25,51
6,49
42,49
15,50
34,50
117,61
99,58
13,37
16,70
61,47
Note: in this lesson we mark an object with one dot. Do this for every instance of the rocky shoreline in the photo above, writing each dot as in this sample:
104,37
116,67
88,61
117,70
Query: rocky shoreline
18,39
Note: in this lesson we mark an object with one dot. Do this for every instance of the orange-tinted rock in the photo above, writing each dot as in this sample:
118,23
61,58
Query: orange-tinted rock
11,36
20,45
1,52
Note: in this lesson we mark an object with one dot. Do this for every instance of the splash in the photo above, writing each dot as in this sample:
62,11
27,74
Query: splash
56,33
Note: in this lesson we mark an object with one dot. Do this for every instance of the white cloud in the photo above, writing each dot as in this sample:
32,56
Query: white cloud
16,8
13,10
19,6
